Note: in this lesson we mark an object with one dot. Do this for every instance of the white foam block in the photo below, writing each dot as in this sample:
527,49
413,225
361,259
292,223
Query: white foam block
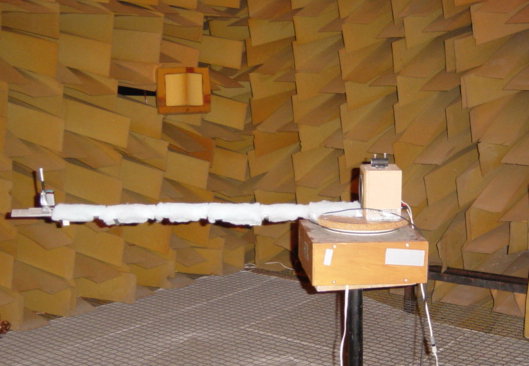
236,213
233,213
77,212
181,212
284,212
127,214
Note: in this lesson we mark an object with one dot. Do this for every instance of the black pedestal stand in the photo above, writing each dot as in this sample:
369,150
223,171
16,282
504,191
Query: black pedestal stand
355,328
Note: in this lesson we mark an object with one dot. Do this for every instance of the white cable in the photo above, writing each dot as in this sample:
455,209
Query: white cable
421,285
410,214
249,267
345,311
282,265
432,339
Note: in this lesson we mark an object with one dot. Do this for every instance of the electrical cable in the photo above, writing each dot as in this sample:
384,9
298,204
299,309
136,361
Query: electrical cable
345,311
432,339
359,213
410,214
282,265
423,292
249,266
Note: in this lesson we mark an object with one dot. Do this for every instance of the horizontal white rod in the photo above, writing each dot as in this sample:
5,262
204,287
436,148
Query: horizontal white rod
233,213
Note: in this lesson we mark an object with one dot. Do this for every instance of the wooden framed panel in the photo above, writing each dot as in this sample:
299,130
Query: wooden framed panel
183,90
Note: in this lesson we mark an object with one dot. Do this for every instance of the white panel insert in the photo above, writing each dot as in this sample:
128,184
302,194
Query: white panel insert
327,259
405,257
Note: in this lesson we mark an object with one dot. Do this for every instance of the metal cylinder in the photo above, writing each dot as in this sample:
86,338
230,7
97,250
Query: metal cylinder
355,328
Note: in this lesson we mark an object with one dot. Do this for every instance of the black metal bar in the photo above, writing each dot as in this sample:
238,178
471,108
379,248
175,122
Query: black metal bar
478,279
125,90
355,328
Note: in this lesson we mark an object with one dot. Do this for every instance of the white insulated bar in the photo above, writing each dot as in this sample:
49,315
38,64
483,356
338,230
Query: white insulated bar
252,214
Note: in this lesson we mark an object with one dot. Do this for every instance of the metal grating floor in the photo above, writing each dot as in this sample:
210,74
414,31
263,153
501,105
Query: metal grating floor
248,319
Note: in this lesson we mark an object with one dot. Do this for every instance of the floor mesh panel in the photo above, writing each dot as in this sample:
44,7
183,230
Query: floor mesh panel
249,319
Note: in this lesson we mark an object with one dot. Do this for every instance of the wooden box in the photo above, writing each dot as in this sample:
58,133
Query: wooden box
381,188
333,260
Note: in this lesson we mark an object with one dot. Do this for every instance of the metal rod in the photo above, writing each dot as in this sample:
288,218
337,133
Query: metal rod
479,279
355,328
41,179
123,90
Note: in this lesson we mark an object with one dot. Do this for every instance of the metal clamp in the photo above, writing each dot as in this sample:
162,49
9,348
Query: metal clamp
380,163
47,202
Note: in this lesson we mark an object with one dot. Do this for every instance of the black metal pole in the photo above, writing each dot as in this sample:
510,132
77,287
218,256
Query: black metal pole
478,279
355,328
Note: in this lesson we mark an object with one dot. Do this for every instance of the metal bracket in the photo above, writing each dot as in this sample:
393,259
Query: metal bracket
380,163
31,212
47,201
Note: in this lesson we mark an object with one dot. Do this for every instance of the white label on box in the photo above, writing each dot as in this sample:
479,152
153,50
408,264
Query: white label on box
405,257
328,257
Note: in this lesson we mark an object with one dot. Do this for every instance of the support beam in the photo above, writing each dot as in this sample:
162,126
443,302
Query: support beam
478,279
